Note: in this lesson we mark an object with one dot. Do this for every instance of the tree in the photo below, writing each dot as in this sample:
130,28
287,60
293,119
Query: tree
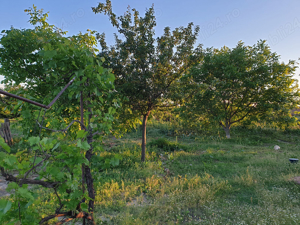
146,68
231,85
58,151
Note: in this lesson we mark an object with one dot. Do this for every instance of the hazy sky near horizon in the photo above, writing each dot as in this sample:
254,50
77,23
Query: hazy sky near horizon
221,22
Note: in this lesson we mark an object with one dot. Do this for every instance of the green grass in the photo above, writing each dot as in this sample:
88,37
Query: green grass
209,180
205,179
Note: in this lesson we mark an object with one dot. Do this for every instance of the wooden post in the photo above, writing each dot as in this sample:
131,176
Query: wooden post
6,120
5,132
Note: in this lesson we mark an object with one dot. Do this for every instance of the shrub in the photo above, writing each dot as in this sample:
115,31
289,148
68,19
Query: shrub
166,145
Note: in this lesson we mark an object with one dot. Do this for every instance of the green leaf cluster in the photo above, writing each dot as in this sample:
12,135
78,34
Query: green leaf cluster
244,83
45,60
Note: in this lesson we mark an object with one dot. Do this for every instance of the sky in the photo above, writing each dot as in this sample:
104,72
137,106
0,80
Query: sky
222,23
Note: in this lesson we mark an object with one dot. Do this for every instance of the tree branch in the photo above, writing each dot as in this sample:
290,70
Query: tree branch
70,214
60,203
63,130
27,173
242,117
22,181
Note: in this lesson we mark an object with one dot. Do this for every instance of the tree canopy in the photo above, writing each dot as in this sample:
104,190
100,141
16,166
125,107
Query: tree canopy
146,67
231,85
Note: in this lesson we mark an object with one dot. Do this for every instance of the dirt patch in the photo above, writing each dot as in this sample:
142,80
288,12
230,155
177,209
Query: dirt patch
3,186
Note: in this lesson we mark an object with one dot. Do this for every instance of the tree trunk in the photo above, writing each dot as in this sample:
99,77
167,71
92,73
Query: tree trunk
88,175
144,136
6,120
82,166
227,130
90,184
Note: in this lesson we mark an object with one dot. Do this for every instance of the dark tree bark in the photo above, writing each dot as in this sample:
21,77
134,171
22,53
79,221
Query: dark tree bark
6,120
144,127
90,183
88,175
82,166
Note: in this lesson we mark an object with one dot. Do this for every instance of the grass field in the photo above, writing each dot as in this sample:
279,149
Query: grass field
203,179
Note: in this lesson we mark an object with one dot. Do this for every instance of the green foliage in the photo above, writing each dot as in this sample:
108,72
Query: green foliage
147,68
4,145
167,145
63,166
106,162
46,61
246,82
9,107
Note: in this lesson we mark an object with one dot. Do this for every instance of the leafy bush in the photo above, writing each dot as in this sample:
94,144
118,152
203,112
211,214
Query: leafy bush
166,145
